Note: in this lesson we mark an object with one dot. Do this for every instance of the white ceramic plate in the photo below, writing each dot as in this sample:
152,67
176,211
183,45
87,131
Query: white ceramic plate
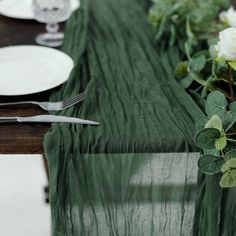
32,69
22,9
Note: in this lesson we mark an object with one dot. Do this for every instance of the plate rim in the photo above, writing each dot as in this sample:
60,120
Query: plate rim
42,89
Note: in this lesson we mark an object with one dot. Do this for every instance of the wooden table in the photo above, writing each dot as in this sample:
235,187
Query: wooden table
21,138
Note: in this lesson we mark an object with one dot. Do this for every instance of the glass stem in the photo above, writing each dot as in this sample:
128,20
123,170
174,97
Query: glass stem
52,28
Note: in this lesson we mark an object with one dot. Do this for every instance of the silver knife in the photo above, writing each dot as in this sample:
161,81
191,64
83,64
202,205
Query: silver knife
47,119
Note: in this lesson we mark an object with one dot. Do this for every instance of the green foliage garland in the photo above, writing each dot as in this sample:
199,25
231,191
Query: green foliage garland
187,24
216,135
193,27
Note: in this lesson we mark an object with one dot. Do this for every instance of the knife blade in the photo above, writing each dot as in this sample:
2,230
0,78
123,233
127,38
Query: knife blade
47,119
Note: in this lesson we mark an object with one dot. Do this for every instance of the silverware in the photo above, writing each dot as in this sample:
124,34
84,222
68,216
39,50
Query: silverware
52,106
47,119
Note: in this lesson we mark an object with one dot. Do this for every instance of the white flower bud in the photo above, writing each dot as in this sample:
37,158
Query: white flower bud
229,17
226,46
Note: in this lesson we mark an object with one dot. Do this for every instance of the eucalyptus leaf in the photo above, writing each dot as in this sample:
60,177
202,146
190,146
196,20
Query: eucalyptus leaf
229,165
213,152
228,180
197,78
225,167
197,64
186,82
232,163
216,104
213,52
232,108
231,145
232,64
229,120
220,143
231,154
214,122
206,138
221,67
231,113
200,123
209,164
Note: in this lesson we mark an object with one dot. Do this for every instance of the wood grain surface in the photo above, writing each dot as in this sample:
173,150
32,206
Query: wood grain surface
21,138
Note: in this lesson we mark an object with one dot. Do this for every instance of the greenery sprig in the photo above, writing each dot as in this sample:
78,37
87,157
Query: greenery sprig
187,24
200,29
204,72
216,135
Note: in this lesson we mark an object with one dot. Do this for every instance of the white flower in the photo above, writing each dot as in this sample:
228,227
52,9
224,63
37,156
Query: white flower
226,47
229,17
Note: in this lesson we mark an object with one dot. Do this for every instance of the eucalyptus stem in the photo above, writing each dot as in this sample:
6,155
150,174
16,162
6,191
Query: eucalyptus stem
231,134
223,155
231,85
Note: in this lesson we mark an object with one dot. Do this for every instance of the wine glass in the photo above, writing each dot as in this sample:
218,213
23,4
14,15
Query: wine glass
51,12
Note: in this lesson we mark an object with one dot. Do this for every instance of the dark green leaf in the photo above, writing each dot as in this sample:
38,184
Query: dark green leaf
231,154
221,67
206,138
200,123
230,146
213,152
209,164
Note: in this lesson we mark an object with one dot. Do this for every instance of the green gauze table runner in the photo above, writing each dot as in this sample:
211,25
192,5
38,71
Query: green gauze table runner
103,179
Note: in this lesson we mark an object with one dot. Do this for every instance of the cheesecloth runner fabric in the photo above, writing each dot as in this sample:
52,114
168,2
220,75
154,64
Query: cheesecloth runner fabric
97,186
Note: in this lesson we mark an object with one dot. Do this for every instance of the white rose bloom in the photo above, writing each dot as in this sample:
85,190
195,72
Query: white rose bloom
229,17
226,47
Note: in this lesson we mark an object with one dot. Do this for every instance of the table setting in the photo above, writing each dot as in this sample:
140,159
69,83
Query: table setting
23,61
132,103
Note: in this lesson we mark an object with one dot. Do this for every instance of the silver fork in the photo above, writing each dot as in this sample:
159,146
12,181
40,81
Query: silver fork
52,106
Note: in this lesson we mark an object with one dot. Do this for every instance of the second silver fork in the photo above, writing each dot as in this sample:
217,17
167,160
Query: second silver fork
52,106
